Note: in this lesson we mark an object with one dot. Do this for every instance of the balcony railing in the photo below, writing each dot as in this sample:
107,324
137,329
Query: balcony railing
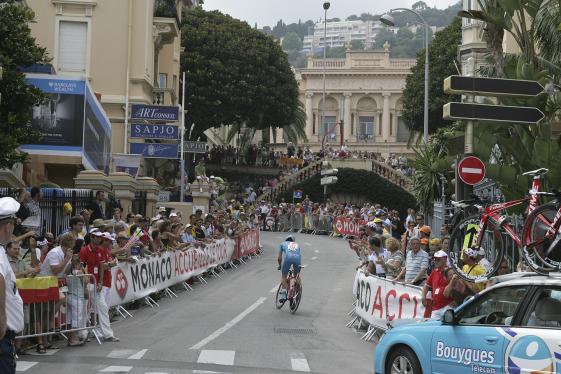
402,63
329,63
164,96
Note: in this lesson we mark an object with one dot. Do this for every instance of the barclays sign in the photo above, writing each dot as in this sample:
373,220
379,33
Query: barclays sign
155,112
152,131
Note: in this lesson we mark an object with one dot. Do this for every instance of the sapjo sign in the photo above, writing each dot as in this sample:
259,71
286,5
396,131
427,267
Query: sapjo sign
153,131
248,243
133,281
348,226
380,301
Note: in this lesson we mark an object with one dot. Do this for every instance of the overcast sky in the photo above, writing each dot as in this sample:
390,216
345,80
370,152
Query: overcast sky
268,12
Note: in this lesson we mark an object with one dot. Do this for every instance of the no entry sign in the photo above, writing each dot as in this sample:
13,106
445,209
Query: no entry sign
471,170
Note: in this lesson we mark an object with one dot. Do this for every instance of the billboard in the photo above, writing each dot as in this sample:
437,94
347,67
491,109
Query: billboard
71,122
97,135
60,118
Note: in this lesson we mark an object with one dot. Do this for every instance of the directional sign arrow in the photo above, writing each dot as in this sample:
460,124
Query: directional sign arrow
457,84
492,113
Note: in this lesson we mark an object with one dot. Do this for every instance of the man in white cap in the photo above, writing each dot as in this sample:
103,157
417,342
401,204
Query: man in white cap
434,287
11,305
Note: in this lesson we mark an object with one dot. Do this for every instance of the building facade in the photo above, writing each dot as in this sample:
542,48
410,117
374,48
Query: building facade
340,34
363,101
128,50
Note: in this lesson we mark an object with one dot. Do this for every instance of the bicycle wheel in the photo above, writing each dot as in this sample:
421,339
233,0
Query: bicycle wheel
464,236
540,253
295,302
278,304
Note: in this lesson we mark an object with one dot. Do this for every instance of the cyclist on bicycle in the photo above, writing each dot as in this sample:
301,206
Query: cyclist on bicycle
292,257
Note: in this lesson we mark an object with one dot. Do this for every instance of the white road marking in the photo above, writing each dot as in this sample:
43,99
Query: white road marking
25,365
314,258
204,372
138,355
229,325
299,362
217,357
116,369
316,251
308,244
274,289
121,353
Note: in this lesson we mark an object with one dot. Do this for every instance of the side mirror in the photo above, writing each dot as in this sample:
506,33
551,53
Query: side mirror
449,317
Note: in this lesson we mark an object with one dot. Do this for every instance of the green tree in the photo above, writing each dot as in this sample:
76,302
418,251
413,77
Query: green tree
17,48
443,52
357,45
291,42
235,75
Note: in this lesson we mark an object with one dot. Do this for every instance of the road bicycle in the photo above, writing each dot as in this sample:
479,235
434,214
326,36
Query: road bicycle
294,291
484,233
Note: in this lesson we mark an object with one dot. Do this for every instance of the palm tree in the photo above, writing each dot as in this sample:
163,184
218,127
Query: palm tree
547,30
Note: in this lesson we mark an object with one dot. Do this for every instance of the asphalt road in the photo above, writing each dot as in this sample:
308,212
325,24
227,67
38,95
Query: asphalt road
231,325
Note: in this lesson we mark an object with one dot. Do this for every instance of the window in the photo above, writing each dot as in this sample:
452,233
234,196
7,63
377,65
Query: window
467,6
402,130
328,127
313,124
496,307
365,128
72,46
546,311
163,80
352,123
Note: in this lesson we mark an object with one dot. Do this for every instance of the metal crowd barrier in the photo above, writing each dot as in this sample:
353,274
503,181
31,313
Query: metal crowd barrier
74,311
305,223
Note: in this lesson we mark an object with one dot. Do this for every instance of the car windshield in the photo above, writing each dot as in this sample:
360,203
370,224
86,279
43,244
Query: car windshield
495,307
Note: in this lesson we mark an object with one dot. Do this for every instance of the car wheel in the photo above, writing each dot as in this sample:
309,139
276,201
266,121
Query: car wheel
402,360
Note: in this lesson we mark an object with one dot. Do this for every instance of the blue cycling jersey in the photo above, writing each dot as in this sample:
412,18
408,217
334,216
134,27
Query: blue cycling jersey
290,250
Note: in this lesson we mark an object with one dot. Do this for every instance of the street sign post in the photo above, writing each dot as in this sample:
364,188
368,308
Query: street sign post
194,147
492,113
457,84
471,170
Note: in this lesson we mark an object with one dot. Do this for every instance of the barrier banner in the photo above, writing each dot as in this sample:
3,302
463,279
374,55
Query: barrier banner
348,226
380,301
248,243
133,281
288,161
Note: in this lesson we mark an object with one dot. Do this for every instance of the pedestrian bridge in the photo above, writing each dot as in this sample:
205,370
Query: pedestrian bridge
383,170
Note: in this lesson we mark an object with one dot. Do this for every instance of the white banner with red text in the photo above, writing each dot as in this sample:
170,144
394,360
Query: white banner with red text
134,281
381,301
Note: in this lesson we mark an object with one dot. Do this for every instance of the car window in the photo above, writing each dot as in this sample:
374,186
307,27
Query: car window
546,311
495,307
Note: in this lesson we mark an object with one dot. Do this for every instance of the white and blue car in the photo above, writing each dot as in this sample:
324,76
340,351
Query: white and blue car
513,327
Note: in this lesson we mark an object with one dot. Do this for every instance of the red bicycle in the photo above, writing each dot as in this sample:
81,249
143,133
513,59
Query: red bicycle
294,291
485,234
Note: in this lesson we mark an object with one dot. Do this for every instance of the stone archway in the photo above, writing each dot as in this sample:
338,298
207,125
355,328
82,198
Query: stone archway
366,121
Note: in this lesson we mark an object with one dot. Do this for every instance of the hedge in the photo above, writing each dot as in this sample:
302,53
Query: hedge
361,183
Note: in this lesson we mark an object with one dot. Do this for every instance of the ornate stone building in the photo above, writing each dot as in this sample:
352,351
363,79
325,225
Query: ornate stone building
363,101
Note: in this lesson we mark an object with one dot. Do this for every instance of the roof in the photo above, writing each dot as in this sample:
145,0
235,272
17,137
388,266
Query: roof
527,278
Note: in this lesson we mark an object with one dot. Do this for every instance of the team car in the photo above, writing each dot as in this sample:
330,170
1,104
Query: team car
511,327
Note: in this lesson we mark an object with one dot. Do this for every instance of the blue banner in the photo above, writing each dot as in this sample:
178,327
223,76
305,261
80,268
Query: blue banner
151,131
155,150
155,112
49,84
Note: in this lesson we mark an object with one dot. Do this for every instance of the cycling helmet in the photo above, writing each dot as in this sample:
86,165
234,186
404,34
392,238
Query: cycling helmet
289,238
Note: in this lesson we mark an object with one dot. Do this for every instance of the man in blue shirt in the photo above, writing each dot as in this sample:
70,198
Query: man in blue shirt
292,257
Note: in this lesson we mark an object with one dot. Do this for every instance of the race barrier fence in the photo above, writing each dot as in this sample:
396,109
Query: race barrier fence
380,301
58,306
62,306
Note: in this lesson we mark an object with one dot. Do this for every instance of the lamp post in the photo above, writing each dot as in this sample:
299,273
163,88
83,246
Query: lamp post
326,6
388,20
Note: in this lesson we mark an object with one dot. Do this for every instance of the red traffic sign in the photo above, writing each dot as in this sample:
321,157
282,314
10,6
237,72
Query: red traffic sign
471,170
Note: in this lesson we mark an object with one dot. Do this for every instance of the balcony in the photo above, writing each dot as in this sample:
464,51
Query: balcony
365,138
164,96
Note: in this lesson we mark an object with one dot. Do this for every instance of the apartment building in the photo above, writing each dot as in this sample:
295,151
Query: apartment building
128,51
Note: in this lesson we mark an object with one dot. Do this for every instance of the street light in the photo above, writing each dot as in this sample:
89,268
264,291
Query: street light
326,6
388,20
